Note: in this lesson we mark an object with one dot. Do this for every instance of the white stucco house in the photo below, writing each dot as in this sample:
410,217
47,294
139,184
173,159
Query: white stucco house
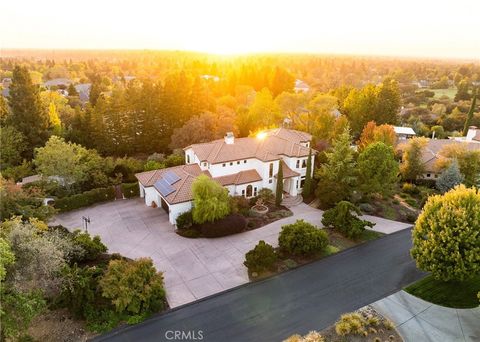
241,165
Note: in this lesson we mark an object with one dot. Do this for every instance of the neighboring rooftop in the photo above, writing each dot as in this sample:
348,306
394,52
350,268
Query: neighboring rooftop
271,146
57,82
404,130
431,153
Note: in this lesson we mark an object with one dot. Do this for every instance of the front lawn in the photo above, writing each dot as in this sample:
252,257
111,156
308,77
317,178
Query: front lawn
452,294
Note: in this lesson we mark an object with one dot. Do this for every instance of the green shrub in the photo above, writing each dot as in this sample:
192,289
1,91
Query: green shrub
366,207
185,220
93,247
239,205
85,199
134,287
231,224
411,217
79,290
410,188
395,201
130,190
411,202
302,238
344,219
261,258
266,195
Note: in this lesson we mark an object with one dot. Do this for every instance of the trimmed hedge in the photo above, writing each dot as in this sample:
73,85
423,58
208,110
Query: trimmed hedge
302,238
261,258
130,190
231,224
85,199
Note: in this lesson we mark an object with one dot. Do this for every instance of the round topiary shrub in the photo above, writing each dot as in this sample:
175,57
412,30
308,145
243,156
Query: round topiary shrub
302,238
261,258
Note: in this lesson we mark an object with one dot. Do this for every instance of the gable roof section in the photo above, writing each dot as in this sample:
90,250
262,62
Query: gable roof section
182,188
242,177
287,172
278,142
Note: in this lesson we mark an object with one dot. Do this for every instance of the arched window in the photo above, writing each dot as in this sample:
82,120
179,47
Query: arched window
249,191
270,172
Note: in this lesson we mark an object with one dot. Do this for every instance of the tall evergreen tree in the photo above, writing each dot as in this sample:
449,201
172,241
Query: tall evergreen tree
337,177
470,113
28,115
450,177
72,91
279,189
307,186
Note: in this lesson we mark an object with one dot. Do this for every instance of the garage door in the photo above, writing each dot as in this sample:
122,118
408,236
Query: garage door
165,206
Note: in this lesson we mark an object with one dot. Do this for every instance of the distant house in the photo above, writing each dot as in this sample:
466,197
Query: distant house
119,79
83,91
404,133
422,83
210,77
301,87
6,82
473,135
58,82
6,92
242,165
431,154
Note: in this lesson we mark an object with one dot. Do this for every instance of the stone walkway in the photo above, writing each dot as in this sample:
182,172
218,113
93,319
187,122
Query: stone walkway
417,320
193,268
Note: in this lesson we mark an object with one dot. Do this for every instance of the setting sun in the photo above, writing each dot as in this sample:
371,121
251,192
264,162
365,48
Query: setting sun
249,26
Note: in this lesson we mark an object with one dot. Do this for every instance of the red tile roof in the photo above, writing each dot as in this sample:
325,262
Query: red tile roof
277,142
183,188
242,177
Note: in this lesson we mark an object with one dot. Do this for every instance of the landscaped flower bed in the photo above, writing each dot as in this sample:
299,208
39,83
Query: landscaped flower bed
363,325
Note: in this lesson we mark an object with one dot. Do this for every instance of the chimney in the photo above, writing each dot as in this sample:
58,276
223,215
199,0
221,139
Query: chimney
229,138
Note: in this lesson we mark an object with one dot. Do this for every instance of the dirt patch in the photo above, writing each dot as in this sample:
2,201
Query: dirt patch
59,326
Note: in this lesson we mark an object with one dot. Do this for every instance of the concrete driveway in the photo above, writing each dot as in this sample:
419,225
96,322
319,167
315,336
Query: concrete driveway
193,268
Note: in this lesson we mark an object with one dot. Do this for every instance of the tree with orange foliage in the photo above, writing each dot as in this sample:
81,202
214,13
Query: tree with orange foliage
372,133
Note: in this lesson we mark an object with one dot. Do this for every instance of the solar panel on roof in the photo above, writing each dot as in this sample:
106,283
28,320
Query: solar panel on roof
170,177
164,188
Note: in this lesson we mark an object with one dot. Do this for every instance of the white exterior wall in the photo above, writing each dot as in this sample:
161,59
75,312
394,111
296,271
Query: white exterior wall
238,188
176,209
218,170
141,190
151,195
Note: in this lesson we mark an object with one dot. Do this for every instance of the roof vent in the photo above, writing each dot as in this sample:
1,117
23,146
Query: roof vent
229,138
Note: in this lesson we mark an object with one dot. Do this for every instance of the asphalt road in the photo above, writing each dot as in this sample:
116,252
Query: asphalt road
310,297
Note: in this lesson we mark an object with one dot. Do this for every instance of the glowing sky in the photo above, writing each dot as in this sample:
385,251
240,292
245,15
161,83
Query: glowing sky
440,28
